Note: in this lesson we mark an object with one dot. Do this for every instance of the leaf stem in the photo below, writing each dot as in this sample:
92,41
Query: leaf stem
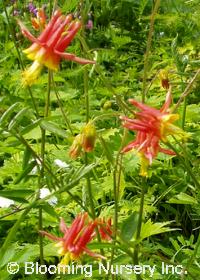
148,48
186,91
19,57
61,107
139,225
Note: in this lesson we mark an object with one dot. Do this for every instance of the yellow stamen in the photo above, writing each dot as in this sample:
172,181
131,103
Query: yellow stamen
30,75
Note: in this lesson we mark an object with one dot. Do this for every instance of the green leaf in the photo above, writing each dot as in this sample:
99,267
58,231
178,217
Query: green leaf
50,210
150,228
25,172
81,172
8,112
17,195
129,226
18,117
183,198
9,254
53,127
30,127
107,150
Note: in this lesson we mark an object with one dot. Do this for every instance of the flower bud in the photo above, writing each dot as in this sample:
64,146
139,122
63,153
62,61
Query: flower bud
76,147
89,137
164,79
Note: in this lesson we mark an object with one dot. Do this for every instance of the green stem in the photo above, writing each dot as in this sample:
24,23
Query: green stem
87,104
19,57
184,113
187,90
194,253
184,104
41,178
61,107
116,189
87,101
148,48
88,180
139,226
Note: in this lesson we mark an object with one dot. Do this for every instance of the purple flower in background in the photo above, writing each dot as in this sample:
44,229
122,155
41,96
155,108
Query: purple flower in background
89,24
32,9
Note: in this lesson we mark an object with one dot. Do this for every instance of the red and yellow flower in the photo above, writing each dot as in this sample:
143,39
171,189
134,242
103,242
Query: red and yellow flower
84,141
105,228
75,238
39,22
48,49
89,137
152,127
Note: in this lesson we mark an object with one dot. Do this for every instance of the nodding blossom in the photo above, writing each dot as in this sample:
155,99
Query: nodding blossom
75,238
151,126
48,49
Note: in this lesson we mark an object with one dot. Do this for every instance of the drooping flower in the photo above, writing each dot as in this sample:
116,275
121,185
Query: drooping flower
48,49
75,238
152,126
84,141
88,137
76,147
105,228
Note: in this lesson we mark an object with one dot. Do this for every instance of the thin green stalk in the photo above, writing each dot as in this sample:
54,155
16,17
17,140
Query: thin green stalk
43,142
148,48
184,104
87,101
87,104
61,107
186,91
88,180
139,225
194,253
184,113
19,57
116,189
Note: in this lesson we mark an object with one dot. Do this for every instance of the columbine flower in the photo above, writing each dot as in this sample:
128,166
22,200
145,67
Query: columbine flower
48,49
105,228
39,22
89,137
85,140
76,147
75,238
152,126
